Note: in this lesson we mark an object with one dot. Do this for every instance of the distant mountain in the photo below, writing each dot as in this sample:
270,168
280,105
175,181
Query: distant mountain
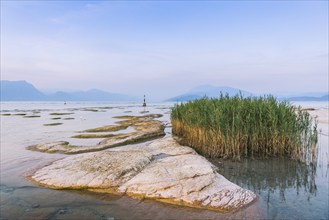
209,91
90,95
20,91
24,91
184,97
309,98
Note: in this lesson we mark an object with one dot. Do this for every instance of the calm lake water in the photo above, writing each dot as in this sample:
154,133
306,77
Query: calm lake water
286,189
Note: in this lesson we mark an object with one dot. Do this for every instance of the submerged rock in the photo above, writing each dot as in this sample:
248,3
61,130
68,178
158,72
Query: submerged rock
163,170
145,128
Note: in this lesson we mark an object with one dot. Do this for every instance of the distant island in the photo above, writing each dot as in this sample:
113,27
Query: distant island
24,91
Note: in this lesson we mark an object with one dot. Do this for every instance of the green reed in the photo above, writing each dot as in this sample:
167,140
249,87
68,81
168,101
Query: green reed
235,127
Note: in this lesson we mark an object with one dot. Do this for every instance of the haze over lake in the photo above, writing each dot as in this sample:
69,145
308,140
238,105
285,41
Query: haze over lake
71,66
164,49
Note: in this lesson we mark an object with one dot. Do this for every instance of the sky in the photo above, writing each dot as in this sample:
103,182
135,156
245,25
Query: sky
164,48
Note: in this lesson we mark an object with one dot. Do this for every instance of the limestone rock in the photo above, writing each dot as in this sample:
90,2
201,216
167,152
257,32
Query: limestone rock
93,170
164,146
189,180
162,170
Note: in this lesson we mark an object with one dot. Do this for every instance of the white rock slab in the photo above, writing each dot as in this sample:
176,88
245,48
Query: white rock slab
188,180
162,170
93,170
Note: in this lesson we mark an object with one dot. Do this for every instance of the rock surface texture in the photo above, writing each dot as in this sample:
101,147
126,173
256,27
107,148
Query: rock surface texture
163,170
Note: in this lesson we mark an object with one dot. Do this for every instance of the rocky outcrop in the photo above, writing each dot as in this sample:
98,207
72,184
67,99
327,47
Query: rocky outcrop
188,180
163,170
100,170
145,128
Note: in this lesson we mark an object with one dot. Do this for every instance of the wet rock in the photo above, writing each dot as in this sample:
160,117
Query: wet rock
53,124
163,170
62,211
35,206
49,147
108,128
32,116
143,112
145,128
61,113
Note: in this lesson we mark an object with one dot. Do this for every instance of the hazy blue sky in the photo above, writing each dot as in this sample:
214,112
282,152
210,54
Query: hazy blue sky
165,48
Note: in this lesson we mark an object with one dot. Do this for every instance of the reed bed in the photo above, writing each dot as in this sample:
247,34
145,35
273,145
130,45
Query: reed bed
236,127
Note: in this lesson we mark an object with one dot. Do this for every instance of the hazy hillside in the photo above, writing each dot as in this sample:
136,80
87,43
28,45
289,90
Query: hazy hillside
209,91
20,91
309,98
24,91
214,91
90,95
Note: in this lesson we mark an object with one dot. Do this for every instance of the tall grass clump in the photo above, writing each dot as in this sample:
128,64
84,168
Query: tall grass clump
235,127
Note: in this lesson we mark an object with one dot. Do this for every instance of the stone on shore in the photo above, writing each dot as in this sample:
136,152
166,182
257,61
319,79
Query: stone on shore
163,170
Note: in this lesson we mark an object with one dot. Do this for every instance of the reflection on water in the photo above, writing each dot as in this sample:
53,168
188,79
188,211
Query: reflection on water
287,189
270,175
281,183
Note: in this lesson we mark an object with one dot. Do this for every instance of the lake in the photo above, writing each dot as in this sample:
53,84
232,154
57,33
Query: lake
286,189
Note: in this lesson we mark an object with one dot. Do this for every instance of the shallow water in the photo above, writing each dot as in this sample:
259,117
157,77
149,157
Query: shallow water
286,189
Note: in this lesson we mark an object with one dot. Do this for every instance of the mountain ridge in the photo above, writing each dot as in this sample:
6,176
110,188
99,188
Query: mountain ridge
209,91
215,91
22,90
309,98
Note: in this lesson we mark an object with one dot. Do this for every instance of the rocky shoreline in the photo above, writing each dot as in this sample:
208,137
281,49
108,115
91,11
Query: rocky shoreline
162,170
145,128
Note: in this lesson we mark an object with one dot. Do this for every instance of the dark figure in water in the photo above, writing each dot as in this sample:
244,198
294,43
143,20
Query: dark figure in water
144,103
